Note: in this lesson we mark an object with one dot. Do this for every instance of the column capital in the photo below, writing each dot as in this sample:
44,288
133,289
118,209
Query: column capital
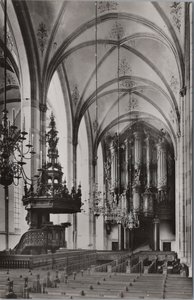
183,91
94,161
43,107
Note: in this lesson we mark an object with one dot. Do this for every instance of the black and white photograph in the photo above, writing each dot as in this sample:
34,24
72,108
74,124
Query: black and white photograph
96,149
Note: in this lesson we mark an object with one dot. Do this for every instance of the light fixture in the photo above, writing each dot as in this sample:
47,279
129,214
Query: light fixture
97,208
12,153
119,213
113,211
131,220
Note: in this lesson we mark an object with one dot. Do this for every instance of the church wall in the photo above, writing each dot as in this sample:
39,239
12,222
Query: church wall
99,233
112,237
14,233
167,235
82,237
82,177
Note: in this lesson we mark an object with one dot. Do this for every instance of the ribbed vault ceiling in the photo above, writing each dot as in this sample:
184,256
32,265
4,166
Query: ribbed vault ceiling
144,41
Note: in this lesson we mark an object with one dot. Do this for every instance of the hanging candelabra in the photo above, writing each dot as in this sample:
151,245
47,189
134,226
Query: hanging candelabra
115,210
132,220
12,149
96,194
13,153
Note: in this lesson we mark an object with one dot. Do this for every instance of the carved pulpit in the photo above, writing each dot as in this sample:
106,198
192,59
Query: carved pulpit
50,197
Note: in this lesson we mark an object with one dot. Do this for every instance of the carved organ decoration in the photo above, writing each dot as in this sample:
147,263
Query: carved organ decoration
162,170
137,170
141,171
148,196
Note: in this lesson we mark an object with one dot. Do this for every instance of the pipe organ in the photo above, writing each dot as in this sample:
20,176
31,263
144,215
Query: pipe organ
141,178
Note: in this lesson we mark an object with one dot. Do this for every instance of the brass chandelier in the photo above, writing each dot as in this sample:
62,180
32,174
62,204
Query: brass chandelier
112,212
13,152
12,149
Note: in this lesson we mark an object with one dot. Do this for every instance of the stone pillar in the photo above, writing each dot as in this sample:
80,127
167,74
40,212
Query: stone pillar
26,125
162,170
6,188
63,234
124,208
136,182
75,185
92,217
131,239
156,234
120,237
95,186
185,217
126,239
35,135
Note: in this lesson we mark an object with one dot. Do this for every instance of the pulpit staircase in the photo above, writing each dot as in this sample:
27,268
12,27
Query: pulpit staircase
49,237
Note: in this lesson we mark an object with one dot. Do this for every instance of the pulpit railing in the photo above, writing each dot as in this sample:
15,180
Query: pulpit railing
46,238
69,260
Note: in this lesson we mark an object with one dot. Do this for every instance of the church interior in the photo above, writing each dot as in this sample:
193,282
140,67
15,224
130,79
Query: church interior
95,170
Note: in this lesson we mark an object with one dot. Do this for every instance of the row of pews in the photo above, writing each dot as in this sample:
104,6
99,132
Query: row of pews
75,274
55,284
74,260
145,262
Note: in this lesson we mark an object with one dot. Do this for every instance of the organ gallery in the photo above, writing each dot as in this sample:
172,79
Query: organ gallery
140,180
